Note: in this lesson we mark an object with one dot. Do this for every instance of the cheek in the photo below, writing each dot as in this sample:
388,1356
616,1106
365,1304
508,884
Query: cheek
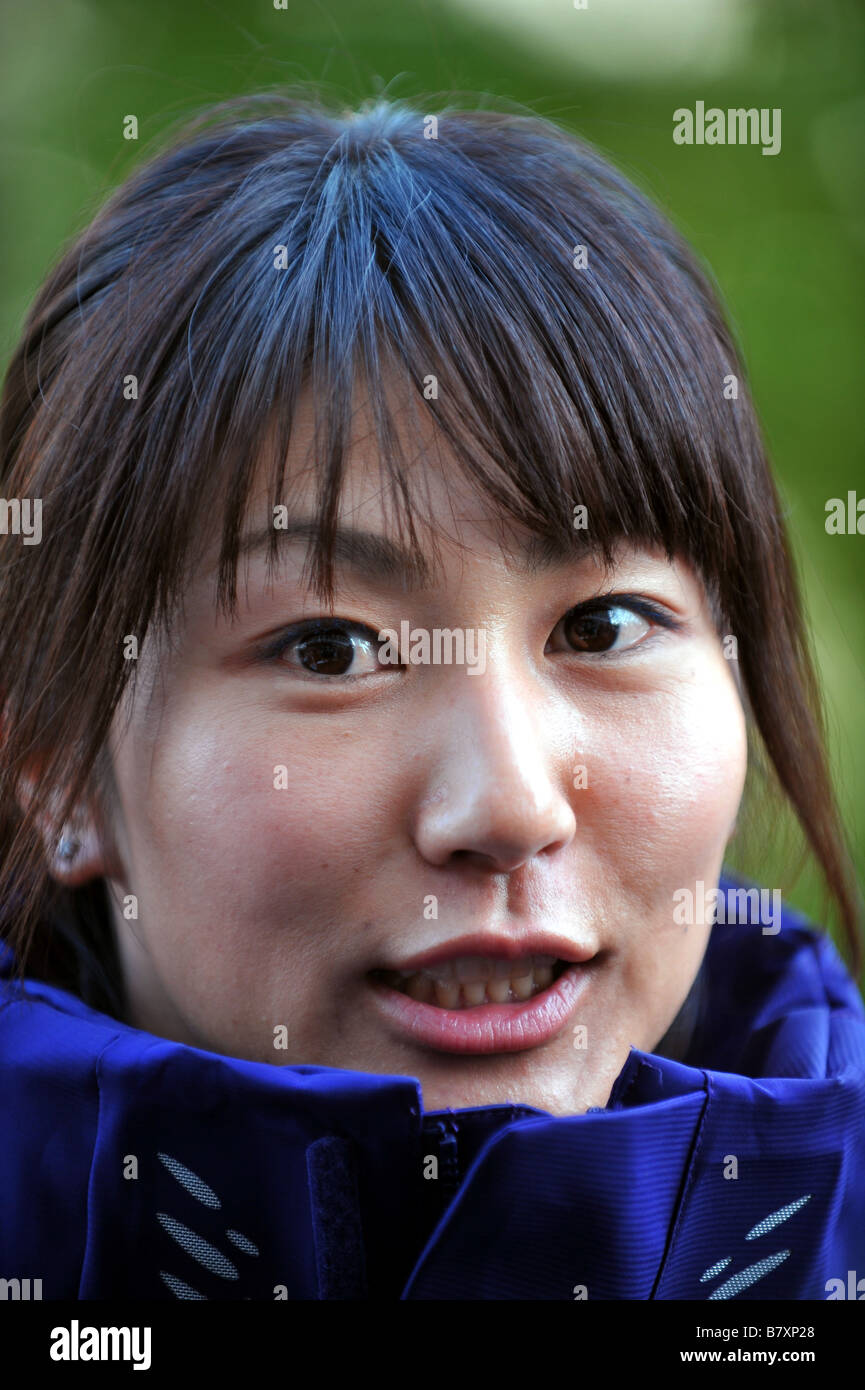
263,816
670,769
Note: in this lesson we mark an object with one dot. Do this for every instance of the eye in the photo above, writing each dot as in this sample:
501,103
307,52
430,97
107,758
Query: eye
328,647
609,625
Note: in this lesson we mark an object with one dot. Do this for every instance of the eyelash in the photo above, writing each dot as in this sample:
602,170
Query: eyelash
311,627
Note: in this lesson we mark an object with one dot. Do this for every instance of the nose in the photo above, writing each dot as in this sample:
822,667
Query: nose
497,785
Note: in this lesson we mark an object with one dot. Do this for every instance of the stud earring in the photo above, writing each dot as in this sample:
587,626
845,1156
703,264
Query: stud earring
67,848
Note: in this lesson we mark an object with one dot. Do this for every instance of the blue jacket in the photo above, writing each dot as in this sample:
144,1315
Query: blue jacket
132,1167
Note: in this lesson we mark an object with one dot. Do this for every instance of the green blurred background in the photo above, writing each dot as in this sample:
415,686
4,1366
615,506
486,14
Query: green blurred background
783,235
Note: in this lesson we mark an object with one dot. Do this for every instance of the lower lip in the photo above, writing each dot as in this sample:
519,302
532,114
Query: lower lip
486,1027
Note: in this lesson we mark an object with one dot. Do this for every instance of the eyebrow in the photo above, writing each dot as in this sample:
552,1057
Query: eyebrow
377,558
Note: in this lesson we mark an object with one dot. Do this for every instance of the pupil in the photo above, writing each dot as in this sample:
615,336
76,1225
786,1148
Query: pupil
592,632
328,654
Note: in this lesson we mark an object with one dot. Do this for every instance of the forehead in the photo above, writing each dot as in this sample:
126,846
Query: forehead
450,511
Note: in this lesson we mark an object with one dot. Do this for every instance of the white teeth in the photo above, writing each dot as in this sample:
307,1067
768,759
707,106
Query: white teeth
522,987
470,981
474,991
420,987
444,972
447,994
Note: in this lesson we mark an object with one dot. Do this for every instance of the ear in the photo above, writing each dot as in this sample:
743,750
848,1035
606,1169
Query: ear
82,847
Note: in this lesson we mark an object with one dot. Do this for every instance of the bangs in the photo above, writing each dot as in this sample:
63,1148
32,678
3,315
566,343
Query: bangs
438,275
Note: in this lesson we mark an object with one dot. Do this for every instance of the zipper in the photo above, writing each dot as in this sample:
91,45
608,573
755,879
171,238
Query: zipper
440,1133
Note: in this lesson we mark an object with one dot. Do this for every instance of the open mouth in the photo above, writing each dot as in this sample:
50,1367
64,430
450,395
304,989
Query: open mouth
469,981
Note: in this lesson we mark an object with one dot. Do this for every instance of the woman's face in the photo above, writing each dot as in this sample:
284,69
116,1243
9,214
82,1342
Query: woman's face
296,817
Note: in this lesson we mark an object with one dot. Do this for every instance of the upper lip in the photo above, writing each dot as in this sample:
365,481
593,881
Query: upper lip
500,947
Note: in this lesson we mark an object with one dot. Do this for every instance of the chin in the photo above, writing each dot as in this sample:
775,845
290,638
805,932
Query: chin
478,1082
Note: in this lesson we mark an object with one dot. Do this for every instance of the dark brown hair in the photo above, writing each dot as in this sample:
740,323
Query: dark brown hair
276,244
